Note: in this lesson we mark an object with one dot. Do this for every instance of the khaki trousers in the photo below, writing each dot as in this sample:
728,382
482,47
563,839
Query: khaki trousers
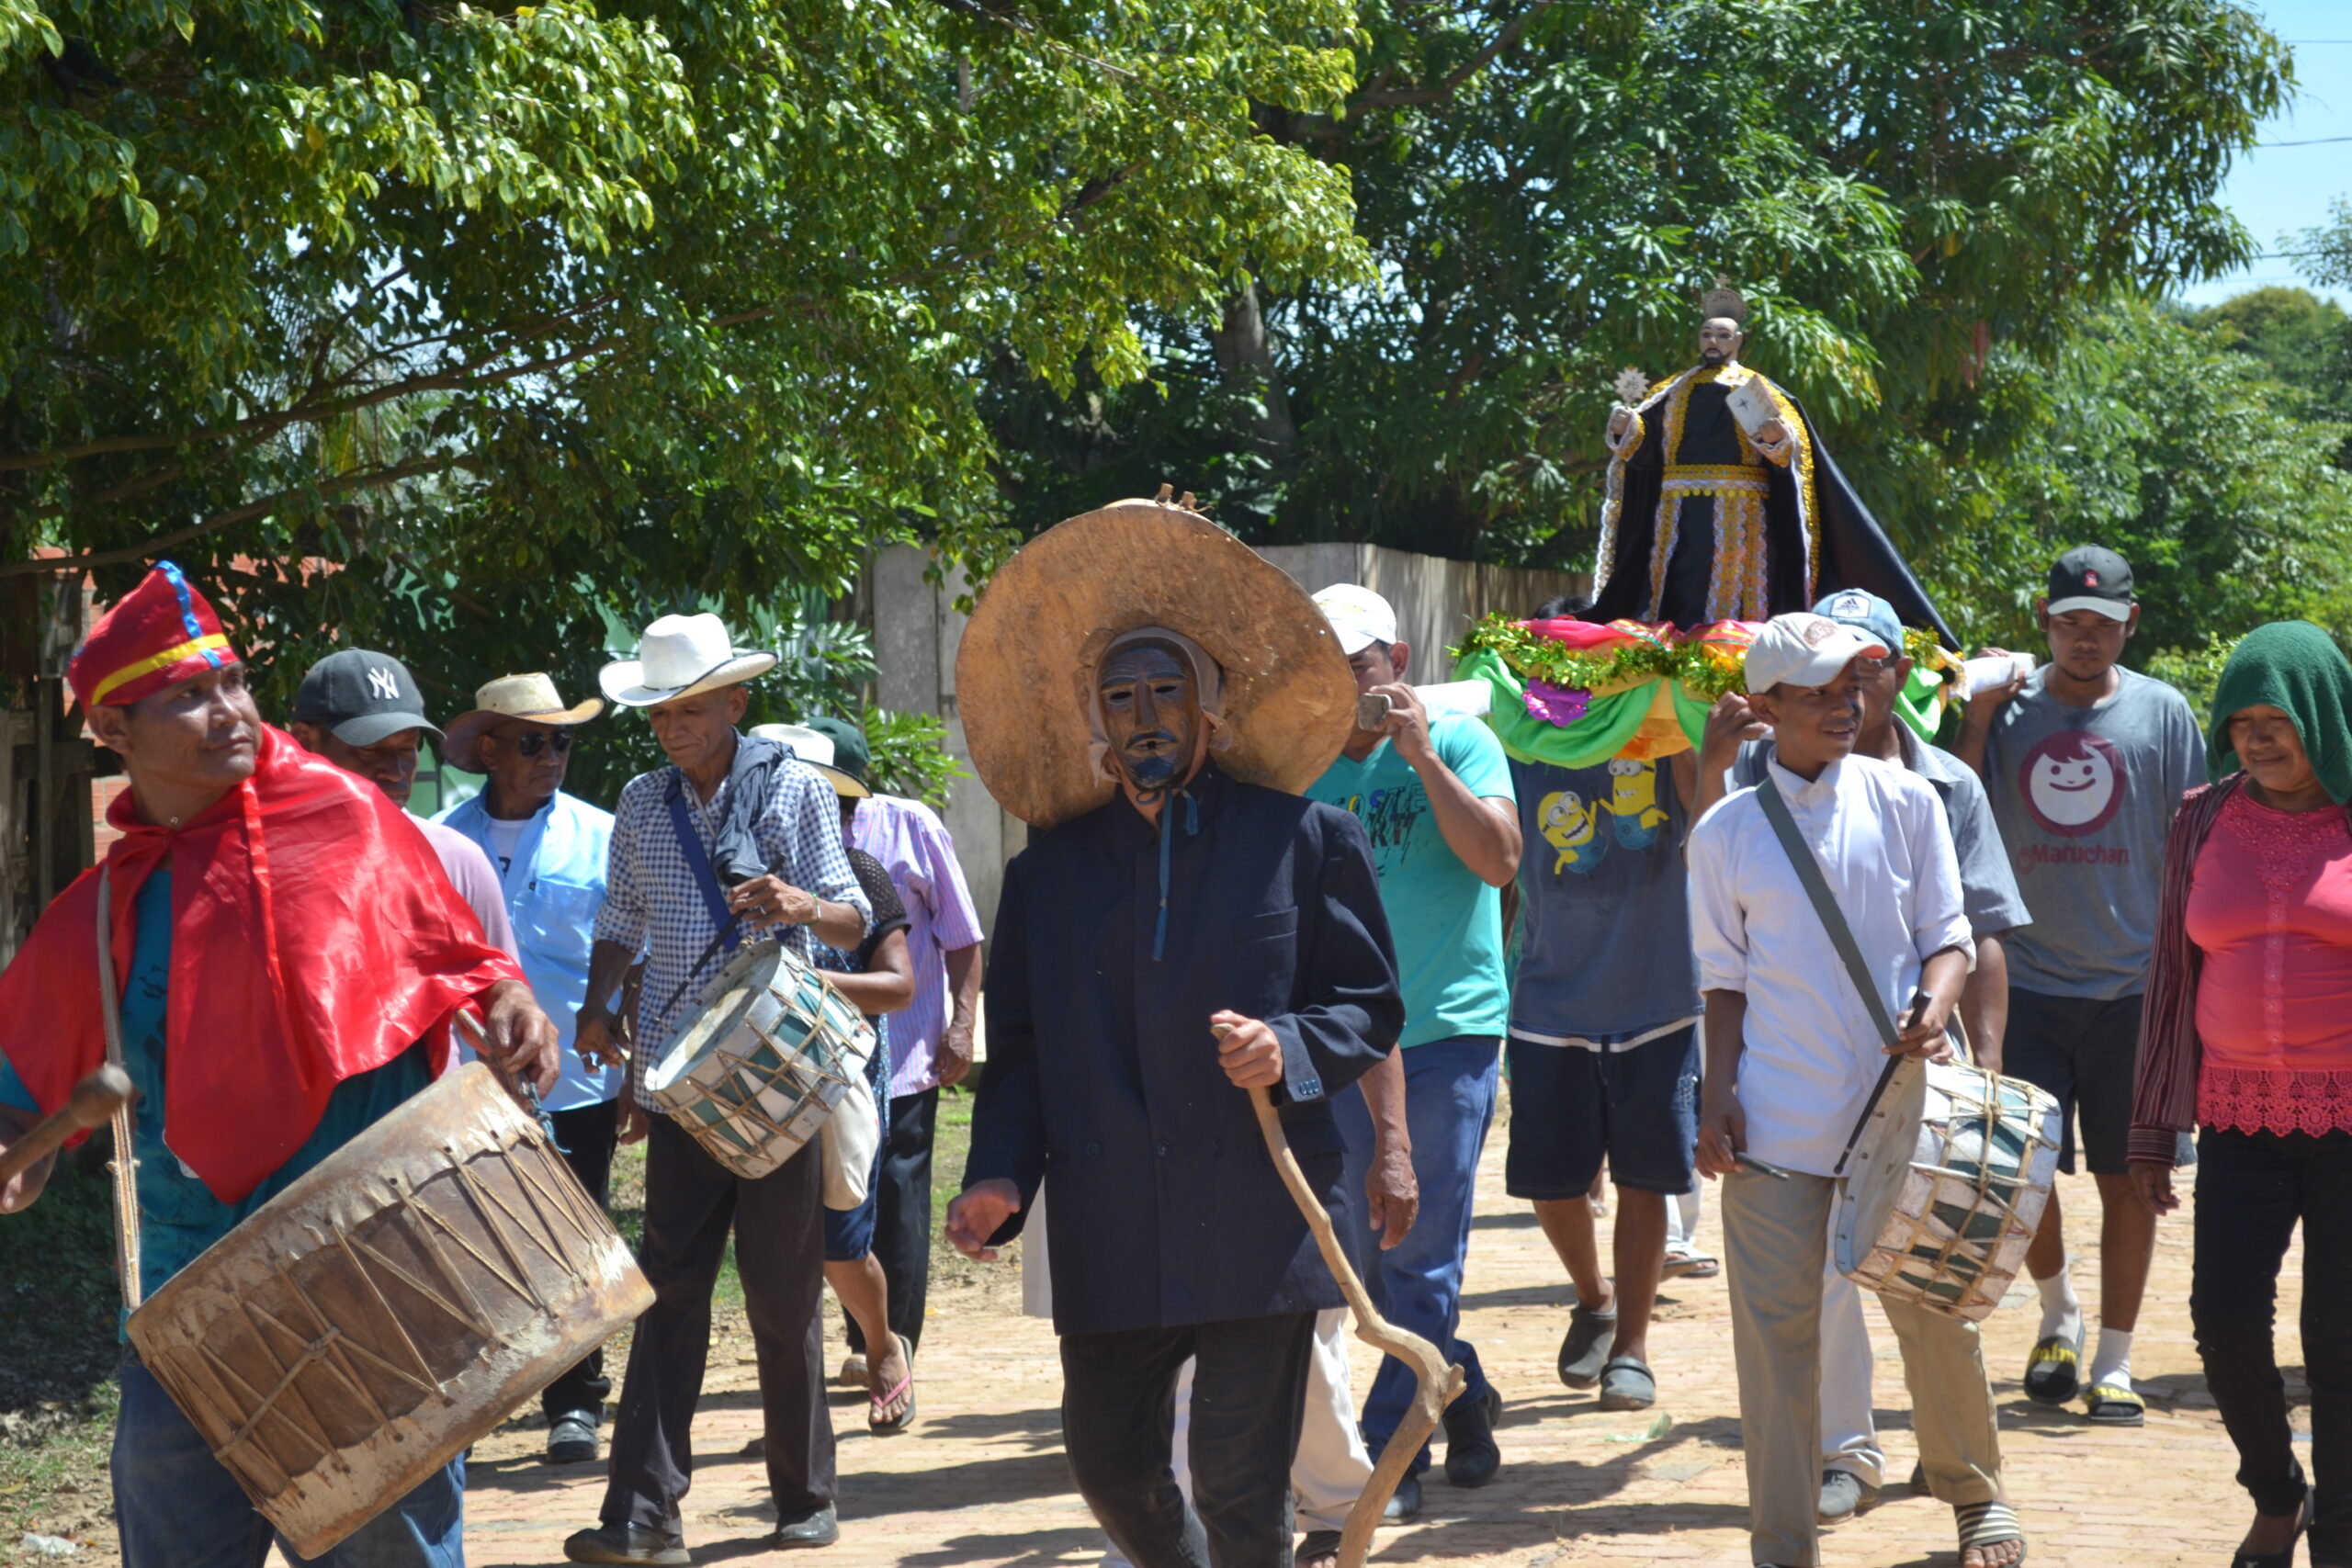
1775,1238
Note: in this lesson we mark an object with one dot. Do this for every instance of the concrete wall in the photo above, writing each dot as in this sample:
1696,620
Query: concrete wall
917,629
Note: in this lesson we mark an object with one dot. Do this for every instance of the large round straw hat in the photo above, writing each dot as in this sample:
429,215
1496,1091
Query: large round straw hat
1024,670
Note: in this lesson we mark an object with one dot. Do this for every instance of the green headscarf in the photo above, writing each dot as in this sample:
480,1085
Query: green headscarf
2295,667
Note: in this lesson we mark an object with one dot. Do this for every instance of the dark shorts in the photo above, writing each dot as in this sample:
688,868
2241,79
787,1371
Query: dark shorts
848,1232
2086,1053
1572,1107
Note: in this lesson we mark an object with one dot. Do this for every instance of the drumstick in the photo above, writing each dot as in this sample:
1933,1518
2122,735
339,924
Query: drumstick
93,1100
1917,1005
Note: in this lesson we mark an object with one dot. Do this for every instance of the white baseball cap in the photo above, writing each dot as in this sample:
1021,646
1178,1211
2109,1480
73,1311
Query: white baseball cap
1360,616
1803,649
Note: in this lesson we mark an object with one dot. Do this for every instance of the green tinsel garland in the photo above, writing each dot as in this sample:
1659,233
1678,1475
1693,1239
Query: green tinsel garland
1531,657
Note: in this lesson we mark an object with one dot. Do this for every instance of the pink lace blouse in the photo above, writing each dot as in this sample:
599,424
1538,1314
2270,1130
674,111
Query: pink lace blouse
2270,911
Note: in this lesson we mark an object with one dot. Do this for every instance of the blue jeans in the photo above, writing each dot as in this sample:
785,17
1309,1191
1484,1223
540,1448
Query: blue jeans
1450,1088
178,1507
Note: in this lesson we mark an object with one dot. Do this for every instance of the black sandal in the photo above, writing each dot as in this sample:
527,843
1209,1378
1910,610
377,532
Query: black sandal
2284,1558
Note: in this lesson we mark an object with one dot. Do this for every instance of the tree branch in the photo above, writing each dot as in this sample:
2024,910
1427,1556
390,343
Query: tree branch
1376,98
371,479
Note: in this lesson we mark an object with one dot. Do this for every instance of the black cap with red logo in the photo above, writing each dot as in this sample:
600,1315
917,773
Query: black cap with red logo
2091,577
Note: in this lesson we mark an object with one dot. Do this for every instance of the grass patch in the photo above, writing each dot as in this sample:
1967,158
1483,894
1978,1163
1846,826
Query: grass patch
59,1354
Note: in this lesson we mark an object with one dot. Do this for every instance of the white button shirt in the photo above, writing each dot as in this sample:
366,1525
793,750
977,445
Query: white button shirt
1812,1052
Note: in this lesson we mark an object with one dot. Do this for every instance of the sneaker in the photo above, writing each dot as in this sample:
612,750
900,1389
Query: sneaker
628,1544
1471,1456
817,1527
572,1437
1404,1503
1843,1494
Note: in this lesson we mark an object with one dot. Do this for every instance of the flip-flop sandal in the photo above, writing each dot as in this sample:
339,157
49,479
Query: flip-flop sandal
1989,1524
2108,1405
1691,1266
876,1422
1584,1351
1627,1384
2053,1372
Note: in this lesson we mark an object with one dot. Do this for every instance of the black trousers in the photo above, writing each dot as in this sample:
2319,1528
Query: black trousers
902,1216
585,1135
1248,1399
690,1201
2252,1189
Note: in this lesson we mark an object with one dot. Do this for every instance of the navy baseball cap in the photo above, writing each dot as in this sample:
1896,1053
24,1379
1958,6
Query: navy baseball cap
1856,607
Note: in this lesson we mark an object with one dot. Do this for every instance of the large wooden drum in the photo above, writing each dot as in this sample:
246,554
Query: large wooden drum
371,1321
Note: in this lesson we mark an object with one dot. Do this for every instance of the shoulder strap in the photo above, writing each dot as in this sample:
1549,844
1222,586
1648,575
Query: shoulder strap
697,861
1824,904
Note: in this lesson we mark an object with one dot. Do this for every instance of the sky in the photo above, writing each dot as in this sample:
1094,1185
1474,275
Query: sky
2277,190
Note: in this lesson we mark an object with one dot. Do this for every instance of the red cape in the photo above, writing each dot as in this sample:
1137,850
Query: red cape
314,937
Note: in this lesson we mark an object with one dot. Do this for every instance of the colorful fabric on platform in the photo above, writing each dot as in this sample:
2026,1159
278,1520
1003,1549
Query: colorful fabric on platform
315,937
1573,693
162,632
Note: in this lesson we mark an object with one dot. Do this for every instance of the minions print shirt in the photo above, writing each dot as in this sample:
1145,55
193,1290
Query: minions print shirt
2083,798
1447,925
1604,933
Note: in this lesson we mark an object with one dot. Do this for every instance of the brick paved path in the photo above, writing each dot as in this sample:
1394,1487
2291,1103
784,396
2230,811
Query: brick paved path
981,1479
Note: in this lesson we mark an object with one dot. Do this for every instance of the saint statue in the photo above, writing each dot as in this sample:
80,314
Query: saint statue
1724,505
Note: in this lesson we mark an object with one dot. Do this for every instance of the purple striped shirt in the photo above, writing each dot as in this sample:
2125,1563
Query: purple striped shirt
906,837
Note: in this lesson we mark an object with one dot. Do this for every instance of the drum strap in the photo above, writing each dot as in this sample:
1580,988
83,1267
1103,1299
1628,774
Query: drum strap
124,1166
1842,937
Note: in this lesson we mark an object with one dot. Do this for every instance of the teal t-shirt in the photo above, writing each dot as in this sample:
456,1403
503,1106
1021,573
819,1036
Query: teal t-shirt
178,1215
1447,923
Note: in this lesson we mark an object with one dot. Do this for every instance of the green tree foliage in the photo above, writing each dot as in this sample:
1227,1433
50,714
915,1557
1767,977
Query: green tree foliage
2153,435
1903,187
456,330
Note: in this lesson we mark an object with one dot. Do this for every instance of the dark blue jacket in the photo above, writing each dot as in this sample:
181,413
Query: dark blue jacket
1102,1079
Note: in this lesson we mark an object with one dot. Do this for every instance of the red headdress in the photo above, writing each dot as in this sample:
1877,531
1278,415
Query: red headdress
159,634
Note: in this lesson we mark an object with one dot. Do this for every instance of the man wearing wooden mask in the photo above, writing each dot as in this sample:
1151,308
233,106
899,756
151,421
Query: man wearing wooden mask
1152,692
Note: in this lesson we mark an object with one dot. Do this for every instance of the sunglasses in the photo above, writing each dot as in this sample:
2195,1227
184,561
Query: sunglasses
538,740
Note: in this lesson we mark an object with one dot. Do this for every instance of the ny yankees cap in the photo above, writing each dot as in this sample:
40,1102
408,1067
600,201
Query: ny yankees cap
362,697
2091,577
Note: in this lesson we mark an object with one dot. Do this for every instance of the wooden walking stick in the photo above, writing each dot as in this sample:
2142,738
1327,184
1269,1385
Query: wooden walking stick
93,1100
1436,1383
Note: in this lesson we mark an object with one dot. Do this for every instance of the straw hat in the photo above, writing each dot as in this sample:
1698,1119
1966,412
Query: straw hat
531,697
815,747
678,656
1024,673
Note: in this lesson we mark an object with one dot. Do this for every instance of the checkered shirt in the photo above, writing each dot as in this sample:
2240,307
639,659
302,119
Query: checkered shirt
653,904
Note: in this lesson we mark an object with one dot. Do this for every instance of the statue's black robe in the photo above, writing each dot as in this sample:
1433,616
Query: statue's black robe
1854,550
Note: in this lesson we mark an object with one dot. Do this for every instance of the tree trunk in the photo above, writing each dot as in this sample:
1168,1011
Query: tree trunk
1241,348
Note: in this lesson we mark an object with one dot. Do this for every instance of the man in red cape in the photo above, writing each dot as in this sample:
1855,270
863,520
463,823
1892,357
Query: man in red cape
288,947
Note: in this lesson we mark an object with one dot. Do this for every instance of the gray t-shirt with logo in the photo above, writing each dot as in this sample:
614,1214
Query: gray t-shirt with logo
1604,917
2085,796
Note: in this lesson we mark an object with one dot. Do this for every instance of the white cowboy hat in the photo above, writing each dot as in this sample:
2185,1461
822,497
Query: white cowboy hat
814,747
678,656
531,697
